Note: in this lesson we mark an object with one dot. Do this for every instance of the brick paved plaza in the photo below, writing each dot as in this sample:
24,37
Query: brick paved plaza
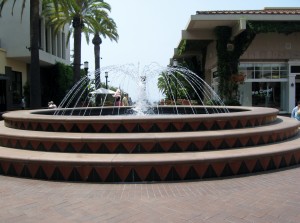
269,197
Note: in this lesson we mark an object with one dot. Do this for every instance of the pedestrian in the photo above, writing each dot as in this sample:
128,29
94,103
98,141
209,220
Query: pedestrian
51,104
125,100
23,103
117,97
296,112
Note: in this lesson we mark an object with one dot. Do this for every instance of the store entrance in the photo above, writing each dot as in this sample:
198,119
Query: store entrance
3,106
297,93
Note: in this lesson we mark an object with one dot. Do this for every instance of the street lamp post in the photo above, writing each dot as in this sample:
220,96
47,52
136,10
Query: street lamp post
175,64
86,66
106,76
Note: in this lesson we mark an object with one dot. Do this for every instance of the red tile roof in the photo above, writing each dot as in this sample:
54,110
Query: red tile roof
266,11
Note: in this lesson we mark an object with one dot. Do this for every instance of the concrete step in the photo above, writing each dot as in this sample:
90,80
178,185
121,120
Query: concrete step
282,129
148,167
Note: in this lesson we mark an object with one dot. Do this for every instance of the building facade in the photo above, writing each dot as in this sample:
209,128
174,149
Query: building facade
270,65
15,52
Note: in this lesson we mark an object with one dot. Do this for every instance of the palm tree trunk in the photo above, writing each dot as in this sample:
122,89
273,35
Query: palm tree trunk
97,41
35,83
77,48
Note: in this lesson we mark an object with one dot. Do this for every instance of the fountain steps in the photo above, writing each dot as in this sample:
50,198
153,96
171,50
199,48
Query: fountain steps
148,167
281,129
272,142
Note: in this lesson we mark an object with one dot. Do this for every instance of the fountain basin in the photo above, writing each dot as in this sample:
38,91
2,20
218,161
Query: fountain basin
43,120
34,144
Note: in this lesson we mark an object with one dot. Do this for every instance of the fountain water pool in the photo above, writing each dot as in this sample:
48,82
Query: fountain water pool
148,89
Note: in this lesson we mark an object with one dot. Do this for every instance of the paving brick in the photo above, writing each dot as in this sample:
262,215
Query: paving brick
270,197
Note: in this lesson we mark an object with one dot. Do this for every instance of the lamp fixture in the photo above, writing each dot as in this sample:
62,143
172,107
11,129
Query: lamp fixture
175,63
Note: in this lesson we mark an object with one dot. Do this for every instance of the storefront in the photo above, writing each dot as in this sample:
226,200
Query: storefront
265,85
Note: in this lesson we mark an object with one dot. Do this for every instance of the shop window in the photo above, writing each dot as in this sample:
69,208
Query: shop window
264,70
295,69
266,94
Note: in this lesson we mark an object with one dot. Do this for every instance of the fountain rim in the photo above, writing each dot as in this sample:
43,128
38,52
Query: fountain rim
242,111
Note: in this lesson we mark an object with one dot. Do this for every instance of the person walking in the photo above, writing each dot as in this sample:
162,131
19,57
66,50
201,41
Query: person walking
296,112
117,97
125,100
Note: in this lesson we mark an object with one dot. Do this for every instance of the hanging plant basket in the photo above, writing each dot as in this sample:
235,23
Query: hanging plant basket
238,78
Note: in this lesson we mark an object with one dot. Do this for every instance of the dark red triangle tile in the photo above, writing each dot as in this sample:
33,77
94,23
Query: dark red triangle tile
216,143
243,122
82,126
98,126
233,123
129,126
235,166
129,146
48,169
25,124
264,161
221,123
201,169
13,142
162,171
208,124
146,126
250,163
218,167
277,159
230,141
166,145
18,167
94,146
148,146
65,171
178,125
35,144
162,125
5,166
183,145
123,171
194,125
103,172
143,171
77,146
200,145
111,146
244,140
55,126
45,126
33,168
255,139
182,170
23,143
84,172
68,126
113,126
48,145
288,157
62,145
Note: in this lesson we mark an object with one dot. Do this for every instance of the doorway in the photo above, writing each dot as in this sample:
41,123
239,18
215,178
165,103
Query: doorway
3,96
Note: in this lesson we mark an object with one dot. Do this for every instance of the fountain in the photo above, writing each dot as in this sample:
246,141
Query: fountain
88,139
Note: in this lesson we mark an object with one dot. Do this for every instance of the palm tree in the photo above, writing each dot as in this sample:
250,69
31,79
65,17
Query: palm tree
108,29
78,14
34,73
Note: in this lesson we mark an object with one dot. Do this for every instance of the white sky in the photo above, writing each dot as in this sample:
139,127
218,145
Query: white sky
150,30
